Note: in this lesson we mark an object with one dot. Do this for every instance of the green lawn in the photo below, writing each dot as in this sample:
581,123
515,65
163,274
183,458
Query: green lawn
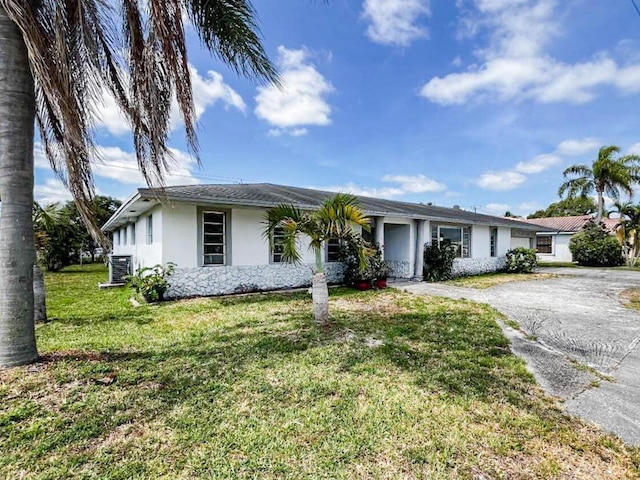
398,387
489,280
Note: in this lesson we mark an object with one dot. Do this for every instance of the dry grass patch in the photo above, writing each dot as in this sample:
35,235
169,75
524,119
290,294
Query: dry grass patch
631,298
493,279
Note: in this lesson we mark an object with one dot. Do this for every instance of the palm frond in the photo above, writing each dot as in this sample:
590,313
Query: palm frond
581,187
79,48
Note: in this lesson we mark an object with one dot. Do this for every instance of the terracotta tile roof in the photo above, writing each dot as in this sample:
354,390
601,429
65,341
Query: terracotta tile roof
570,224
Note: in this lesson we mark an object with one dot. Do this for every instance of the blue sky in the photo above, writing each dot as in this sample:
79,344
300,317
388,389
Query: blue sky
479,103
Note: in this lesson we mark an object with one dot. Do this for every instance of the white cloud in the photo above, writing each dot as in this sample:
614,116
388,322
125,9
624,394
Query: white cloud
516,65
506,180
577,147
634,149
416,183
207,91
496,208
529,207
122,166
301,99
51,191
538,164
395,22
407,184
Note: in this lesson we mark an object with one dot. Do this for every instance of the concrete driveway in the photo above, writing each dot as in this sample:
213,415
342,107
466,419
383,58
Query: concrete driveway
570,320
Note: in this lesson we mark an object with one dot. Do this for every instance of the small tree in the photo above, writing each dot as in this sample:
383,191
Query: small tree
521,260
594,247
438,262
335,219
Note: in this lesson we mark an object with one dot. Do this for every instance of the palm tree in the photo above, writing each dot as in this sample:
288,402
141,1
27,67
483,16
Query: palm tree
45,220
335,219
607,175
628,230
55,60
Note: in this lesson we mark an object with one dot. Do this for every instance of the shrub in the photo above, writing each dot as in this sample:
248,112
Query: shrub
151,282
376,268
438,262
521,260
594,247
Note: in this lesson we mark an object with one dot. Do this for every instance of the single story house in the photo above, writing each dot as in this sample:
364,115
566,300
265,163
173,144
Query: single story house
552,239
213,233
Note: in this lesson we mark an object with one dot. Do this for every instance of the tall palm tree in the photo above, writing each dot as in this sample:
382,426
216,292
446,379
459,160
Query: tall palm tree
607,175
56,59
335,219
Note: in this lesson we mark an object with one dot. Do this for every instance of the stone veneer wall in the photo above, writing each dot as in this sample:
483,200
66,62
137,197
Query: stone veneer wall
208,281
464,267
400,269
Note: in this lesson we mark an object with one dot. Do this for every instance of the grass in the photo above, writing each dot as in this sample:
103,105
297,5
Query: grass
489,280
399,387
631,298
558,264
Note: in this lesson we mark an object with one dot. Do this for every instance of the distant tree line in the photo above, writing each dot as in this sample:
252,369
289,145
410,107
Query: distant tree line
61,237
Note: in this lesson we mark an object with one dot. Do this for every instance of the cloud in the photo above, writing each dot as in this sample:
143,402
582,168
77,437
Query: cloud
517,175
415,184
539,164
122,166
300,101
207,91
407,184
505,180
395,22
634,149
51,191
529,207
496,208
578,147
516,64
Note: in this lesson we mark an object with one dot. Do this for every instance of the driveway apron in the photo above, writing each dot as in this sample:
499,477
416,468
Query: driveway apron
575,319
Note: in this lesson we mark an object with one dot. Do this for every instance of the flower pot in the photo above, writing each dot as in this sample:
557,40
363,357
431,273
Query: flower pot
363,284
381,283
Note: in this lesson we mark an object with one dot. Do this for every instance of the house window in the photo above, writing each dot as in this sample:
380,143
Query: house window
214,244
457,237
494,242
124,235
116,237
333,250
544,244
277,245
133,234
149,229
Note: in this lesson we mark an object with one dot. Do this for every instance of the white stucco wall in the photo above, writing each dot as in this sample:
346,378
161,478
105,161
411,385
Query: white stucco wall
559,249
504,241
520,242
179,234
480,241
248,247
143,255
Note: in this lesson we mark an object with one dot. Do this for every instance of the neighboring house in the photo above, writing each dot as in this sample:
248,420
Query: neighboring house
214,233
552,241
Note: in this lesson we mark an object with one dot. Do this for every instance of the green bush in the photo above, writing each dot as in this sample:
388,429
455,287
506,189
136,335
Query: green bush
376,268
594,247
521,260
151,282
438,262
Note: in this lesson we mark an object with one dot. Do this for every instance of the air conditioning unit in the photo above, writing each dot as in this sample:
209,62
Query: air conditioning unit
119,266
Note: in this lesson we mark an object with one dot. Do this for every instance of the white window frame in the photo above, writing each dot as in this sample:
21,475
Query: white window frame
462,232
326,255
150,229
224,239
133,233
124,235
276,257
552,237
493,241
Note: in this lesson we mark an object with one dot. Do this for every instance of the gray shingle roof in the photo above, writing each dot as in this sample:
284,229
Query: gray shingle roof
268,195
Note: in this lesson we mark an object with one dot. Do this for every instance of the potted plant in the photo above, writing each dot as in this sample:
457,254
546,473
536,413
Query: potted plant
354,275
151,282
382,271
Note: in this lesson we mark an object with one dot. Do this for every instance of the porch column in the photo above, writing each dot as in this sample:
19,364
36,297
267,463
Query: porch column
419,263
380,234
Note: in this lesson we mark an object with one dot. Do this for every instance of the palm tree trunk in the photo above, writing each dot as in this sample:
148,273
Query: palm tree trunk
600,205
320,292
320,298
39,295
17,112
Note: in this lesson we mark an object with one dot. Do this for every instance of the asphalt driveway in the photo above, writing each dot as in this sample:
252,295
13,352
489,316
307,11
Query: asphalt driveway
569,321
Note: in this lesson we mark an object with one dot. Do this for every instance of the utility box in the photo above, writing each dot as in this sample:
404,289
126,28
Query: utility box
119,267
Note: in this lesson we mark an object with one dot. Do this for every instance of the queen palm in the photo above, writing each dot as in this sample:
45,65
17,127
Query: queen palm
628,229
56,59
606,176
335,219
